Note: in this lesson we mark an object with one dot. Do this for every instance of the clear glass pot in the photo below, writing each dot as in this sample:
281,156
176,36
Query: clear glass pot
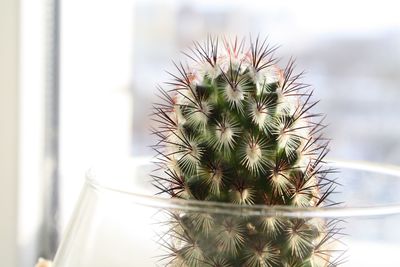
119,221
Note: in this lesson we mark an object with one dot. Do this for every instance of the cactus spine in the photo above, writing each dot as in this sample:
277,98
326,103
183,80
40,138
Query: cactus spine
234,127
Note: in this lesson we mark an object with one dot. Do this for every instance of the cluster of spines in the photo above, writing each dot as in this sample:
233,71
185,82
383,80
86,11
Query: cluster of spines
235,128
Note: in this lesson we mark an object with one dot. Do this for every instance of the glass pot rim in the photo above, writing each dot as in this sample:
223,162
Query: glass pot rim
155,201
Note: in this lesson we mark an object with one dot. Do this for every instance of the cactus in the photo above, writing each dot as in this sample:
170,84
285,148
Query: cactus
234,127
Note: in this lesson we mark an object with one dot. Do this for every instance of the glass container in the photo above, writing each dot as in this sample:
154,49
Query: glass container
120,221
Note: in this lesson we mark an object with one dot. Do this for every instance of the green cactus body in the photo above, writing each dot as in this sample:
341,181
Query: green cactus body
233,127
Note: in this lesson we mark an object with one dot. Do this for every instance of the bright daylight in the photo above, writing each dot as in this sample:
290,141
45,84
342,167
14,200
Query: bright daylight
141,133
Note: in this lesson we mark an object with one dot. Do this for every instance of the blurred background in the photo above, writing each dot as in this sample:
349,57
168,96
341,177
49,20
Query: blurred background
77,79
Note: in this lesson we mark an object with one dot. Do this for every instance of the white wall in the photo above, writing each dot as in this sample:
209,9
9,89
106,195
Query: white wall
9,43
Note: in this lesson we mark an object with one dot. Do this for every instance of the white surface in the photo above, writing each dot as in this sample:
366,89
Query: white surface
32,82
9,103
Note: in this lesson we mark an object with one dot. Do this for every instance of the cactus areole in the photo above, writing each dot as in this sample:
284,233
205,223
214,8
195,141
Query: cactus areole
234,127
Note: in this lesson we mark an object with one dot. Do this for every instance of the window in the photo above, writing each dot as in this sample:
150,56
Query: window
93,75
